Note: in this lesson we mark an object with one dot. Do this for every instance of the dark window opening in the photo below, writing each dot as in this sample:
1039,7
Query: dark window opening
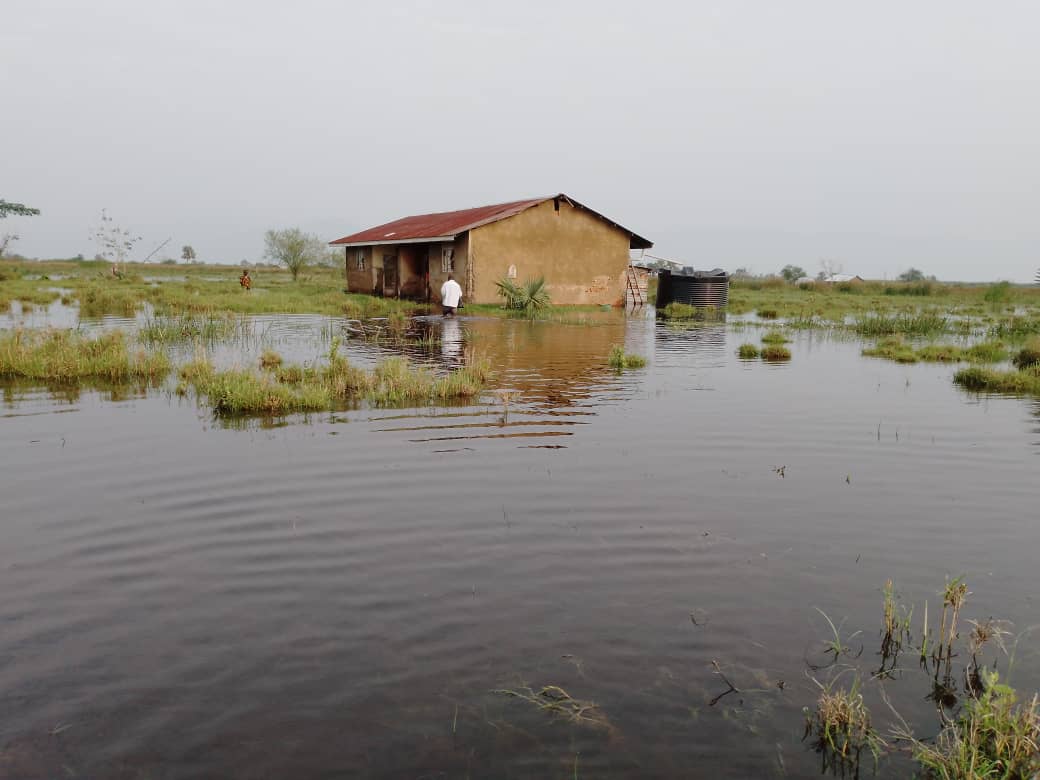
556,204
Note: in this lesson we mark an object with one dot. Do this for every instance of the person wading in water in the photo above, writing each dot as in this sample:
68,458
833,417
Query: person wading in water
451,294
244,279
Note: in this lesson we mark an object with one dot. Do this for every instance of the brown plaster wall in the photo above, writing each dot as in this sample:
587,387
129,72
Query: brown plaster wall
360,281
582,258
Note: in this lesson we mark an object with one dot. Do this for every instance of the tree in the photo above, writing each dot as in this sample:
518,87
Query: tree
114,242
828,268
6,239
911,275
188,253
18,209
293,248
792,273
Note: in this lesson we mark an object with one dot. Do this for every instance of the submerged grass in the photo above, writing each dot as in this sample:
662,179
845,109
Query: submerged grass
69,356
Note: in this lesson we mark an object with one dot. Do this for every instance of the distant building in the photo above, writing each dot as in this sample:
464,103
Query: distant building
841,278
583,255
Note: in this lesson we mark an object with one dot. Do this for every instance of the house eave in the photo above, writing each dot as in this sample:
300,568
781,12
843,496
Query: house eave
392,242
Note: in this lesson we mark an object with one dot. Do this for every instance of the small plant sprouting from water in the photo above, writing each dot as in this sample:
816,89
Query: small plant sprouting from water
835,644
840,727
775,337
747,352
620,360
895,623
954,596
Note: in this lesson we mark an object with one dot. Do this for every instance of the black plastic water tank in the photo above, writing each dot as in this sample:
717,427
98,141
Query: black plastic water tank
701,288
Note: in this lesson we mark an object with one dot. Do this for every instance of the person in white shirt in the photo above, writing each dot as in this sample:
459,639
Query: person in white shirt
451,294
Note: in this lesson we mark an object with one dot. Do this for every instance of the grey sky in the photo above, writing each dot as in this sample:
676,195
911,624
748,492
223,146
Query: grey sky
882,134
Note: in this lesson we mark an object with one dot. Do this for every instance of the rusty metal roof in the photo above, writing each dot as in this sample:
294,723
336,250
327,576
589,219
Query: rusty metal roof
444,226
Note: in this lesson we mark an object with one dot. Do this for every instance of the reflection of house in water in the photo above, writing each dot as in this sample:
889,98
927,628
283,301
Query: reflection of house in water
548,363
582,254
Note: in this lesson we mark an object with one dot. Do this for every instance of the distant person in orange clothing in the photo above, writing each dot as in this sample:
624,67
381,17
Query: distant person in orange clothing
244,279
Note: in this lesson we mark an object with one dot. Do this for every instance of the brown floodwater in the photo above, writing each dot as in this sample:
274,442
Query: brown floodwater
341,595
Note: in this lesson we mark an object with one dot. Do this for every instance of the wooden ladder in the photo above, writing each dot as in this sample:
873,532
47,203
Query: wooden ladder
634,294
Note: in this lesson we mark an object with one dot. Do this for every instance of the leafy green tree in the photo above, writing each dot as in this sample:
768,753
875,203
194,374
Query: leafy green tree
911,275
188,253
17,209
294,249
792,273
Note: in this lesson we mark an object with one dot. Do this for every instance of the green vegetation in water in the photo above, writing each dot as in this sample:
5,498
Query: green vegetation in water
620,360
68,356
289,389
1025,381
775,337
767,314
1029,355
747,352
188,327
683,311
924,323
985,732
992,736
840,726
775,353
528,298
894,348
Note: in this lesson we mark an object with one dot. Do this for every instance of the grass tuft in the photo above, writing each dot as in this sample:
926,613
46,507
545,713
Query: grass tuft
620,360
775,353
747,352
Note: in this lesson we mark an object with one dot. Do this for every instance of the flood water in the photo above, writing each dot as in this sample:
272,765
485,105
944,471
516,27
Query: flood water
342,595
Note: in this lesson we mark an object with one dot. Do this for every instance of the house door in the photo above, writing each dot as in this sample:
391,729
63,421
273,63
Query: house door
390,276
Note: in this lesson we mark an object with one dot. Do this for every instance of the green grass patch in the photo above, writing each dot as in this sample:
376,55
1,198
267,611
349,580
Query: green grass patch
1022,382
774,353
288,389
993,736
620,360
55,356
924,323
775,337
747,352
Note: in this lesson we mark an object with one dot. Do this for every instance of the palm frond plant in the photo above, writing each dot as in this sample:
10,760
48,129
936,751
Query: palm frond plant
529,297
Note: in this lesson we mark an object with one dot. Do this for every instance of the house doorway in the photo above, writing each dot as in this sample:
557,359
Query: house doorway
391,277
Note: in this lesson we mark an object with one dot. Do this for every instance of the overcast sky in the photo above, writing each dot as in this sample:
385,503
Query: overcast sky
880,135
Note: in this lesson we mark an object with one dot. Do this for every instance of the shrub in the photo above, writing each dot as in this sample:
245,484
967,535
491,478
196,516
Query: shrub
529,297
1029,355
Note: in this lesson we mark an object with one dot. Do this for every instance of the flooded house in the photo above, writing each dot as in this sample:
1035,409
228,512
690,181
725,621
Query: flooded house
583,255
